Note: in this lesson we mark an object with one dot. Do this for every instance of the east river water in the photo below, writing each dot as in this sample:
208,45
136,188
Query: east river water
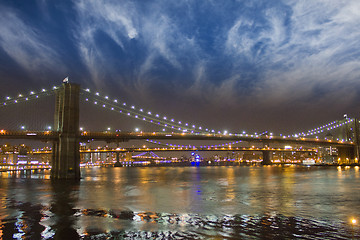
218,202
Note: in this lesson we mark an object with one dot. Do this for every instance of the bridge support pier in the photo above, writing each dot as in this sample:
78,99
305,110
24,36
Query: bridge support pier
346,155
357,140
117,164
66,155
266,158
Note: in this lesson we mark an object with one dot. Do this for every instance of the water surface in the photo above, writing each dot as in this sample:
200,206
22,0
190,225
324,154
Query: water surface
223,202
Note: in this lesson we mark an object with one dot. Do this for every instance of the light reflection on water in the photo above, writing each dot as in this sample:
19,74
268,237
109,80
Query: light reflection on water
182,203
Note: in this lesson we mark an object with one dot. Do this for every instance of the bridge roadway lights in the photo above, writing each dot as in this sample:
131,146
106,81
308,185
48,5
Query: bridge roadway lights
66,154
266,158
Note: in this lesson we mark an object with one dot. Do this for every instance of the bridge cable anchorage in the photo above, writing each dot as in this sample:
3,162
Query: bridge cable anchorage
139,113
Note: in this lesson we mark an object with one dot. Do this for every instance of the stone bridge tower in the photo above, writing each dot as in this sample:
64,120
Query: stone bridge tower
66,155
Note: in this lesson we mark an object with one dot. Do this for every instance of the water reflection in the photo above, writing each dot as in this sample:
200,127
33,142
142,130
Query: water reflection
184,203
65,196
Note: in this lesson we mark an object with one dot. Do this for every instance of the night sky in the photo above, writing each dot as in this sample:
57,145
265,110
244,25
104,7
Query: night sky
283,66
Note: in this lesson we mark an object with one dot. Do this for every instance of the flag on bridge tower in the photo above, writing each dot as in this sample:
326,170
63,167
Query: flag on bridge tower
66,80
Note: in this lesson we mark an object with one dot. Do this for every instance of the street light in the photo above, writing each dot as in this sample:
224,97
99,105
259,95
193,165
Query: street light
23,127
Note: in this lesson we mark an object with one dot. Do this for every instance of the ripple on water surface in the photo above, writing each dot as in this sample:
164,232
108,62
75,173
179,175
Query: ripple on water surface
183,203
42,222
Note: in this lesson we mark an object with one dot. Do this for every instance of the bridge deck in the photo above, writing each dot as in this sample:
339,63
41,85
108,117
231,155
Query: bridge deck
126,136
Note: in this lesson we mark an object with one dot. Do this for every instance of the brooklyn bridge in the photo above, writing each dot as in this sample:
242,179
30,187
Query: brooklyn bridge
66,133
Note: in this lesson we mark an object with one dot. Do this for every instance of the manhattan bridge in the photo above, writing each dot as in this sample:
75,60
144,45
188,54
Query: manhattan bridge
66,133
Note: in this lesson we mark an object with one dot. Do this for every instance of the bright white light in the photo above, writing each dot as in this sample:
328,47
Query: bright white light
106,97
97,94
88,90
136,129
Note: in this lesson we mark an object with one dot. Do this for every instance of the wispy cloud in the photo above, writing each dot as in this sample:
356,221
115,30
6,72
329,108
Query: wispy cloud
156,34
274,53
25,44
249,55
300,49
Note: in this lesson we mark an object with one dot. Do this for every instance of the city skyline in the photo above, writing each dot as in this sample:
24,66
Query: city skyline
266,65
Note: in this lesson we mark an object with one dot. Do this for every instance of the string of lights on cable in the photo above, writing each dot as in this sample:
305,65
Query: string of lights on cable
161,120
192,146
